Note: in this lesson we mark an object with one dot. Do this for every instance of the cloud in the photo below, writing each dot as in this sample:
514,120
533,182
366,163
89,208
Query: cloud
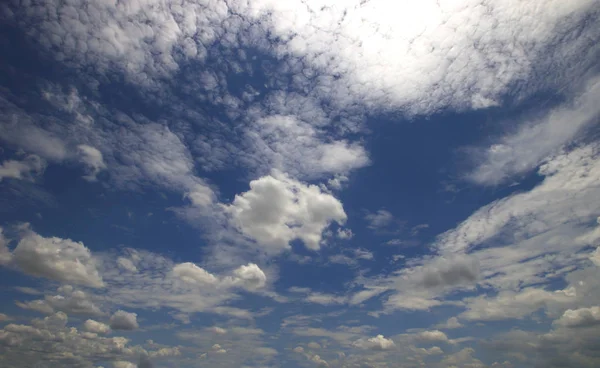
96,327
5,254
509,304
567,185
380,219
71,347
325,299
56,259
299,148
522,151
277,210
67,300
375,343
451,323
189,272
92,159
126,264
388,55
582,317
448,272
432,336
250,276
27,169
122,320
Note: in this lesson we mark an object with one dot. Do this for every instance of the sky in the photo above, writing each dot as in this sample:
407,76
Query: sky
300,183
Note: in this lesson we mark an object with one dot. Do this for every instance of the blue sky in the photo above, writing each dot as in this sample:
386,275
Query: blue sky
299,183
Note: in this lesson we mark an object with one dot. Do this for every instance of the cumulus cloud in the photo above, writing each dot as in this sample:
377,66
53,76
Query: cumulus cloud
54,333
92,158
375,343
582,317
248,276
26,169
58,259
122,320
277,210
189,272
67,300
432,336
96,327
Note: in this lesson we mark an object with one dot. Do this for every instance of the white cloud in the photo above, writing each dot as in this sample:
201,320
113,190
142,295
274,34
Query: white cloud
522,151
320,362
124,364
189,272
96,327
5,254
325,299
122,320
432,336
313,345
582,317
92,159
26,169
57,259
277,210
250,276
375,343
568,187
451,323
299,148
126,264
509,304
595,257
381,54
380,219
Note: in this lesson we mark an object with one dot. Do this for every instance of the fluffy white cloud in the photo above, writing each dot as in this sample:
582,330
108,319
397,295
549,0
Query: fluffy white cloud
189,272
277,210
432,336
26,169
124,364
122,320
375,343
451,323
57,259
96,327
250,276
92,158
582,317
